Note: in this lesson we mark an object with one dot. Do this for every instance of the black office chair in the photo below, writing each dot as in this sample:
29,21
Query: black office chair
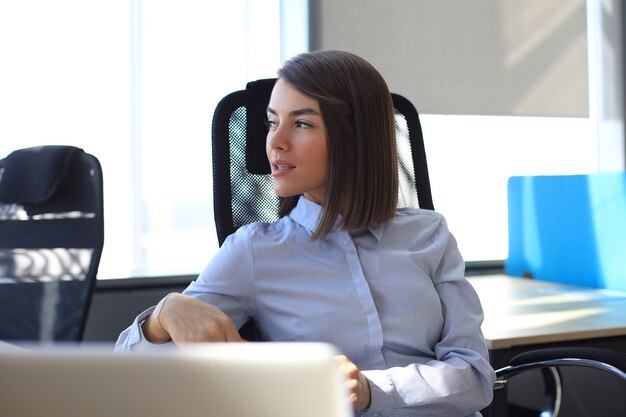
242,184
51,238
550,360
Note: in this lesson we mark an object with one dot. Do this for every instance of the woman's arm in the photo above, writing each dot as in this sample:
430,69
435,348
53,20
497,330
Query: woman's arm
208,310
458,379
183,319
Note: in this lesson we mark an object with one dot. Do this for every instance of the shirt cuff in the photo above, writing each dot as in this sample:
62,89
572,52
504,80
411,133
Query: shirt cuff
133,339
382,392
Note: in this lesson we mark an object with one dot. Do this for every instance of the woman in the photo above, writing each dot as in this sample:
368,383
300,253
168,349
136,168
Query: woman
342,265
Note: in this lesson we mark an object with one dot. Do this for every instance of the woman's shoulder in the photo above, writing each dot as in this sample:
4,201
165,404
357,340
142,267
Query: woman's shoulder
415,227
417,222
412,214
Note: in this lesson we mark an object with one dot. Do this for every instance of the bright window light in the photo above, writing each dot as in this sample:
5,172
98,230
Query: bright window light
135,83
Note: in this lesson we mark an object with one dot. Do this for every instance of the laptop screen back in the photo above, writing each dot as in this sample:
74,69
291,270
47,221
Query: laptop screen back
208,380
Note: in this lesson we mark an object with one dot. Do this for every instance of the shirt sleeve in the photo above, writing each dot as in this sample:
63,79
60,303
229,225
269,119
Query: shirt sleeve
458,381
225,283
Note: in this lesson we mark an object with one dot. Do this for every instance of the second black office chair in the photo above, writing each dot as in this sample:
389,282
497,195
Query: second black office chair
51,238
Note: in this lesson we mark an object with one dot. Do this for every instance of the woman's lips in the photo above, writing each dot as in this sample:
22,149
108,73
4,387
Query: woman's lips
281,167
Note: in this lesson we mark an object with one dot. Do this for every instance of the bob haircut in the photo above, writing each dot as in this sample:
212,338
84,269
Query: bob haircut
358,113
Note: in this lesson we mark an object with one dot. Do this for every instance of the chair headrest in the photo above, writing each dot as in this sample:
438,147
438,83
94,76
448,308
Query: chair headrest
259,93
31,175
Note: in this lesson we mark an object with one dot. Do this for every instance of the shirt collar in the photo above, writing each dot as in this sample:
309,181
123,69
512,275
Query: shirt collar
377,231
307,213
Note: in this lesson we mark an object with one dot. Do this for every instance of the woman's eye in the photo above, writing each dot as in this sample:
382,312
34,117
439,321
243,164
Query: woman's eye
270,124
302,125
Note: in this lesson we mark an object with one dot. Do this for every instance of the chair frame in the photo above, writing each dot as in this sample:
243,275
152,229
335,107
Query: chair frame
550,360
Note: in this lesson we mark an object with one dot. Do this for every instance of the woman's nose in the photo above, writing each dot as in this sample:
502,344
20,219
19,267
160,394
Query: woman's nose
277,139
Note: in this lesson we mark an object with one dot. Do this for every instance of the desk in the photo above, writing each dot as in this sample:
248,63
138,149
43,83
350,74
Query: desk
525,314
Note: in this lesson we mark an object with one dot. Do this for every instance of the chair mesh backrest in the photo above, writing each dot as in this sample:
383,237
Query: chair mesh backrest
242,185
253,198
50,243
407,194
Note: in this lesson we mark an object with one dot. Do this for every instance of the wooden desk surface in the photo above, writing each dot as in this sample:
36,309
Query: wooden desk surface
523,311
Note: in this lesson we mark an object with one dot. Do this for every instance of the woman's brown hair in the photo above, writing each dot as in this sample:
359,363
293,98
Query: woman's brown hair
359,116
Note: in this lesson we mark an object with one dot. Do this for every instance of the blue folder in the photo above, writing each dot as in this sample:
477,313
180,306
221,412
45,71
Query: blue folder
569,229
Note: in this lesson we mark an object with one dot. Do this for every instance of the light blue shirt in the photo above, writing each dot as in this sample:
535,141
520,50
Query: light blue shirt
392,298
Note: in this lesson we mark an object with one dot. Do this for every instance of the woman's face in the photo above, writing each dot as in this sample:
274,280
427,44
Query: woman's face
296,144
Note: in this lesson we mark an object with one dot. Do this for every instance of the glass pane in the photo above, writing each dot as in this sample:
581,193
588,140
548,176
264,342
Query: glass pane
135,83
192,54
65,80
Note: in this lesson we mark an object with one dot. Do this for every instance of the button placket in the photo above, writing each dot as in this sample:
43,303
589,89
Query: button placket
374,345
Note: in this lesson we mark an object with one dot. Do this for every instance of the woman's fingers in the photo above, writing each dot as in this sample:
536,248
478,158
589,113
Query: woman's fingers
356,383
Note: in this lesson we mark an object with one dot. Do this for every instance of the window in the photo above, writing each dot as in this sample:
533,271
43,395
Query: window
135,83
503,89
470,159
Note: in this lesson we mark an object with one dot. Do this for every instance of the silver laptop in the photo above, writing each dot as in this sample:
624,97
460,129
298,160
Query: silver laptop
208,380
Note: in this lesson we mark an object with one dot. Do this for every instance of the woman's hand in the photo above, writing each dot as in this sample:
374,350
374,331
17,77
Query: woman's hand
185,319
357,384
